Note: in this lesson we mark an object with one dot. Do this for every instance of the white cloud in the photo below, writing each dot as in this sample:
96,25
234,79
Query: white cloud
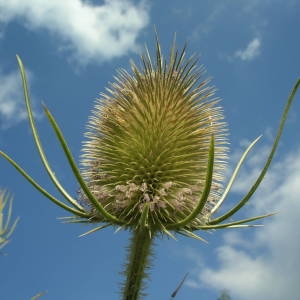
12,109
251,51
210,21
268,265
90,32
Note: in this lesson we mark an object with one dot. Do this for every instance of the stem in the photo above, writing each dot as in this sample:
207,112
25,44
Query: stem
138,261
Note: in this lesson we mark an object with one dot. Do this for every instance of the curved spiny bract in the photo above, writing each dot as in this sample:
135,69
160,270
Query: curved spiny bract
148,142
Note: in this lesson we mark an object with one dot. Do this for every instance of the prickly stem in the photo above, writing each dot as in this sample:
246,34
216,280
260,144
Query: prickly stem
139,254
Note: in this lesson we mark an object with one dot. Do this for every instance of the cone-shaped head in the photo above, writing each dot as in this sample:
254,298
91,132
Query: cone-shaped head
148,141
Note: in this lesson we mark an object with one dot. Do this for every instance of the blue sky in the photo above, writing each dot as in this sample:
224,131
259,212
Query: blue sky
71,50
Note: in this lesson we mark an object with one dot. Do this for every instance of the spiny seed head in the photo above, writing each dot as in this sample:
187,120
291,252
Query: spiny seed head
148,141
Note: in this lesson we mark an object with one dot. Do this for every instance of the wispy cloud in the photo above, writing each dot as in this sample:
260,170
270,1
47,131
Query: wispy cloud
251,51
90,32
268,267
207,24
12,109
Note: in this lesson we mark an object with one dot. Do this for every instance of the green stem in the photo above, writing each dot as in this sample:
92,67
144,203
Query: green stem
138,261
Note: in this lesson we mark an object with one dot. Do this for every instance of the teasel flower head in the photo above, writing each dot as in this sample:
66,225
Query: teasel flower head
153,159
148,143
155,151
